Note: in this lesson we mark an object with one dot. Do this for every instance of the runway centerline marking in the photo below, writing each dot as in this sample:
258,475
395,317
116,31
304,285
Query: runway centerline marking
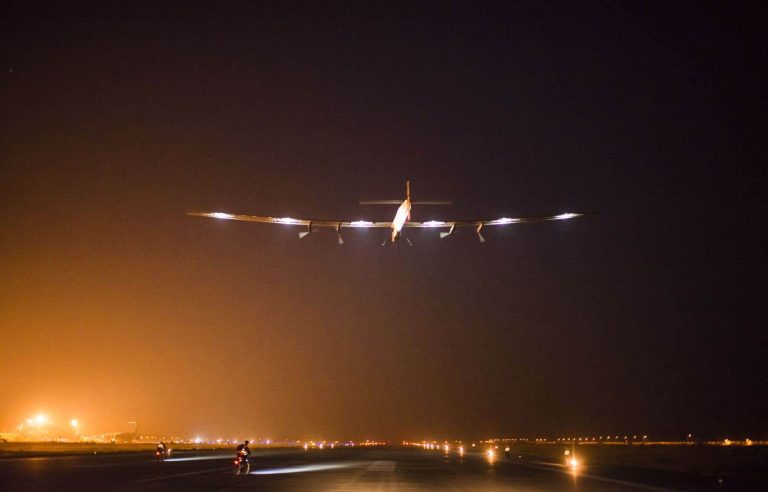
166,477
382,466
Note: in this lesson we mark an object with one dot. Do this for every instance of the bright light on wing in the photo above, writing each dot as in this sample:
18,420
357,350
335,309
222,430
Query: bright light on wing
506,220
435,223
221,215
565,216
361,223
286,220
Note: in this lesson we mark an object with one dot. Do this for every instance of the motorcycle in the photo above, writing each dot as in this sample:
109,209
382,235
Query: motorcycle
242,466
161,454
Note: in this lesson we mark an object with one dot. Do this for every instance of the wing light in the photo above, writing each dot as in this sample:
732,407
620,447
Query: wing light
221,215
565,216
361,223
286,220
435,223
505,220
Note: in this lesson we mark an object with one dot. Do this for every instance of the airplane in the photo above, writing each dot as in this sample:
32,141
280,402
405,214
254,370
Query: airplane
401,220
119,437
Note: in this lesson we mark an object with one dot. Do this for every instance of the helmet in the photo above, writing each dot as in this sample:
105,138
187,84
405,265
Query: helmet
246,442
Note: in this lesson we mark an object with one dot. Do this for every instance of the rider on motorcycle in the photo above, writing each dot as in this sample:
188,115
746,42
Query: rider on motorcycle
243,450
162,450
241,462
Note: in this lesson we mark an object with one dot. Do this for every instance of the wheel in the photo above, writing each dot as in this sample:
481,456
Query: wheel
242,468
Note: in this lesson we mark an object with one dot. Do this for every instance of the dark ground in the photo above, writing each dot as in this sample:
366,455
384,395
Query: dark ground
340,469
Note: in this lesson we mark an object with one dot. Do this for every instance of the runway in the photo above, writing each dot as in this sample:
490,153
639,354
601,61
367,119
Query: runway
356,469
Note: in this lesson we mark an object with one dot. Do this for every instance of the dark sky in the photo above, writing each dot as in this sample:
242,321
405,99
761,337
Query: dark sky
648,318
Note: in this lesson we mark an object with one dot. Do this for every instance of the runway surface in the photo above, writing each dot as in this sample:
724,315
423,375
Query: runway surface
356,469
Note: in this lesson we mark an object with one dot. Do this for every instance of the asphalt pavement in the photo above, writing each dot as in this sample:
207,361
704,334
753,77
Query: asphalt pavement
351,469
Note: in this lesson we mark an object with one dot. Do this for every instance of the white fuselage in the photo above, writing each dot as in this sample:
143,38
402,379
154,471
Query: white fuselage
401,217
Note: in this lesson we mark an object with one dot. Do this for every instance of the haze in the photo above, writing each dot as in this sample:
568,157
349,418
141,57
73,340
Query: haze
116,306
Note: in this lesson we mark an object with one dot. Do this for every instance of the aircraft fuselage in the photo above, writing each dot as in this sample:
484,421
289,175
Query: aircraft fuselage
401,217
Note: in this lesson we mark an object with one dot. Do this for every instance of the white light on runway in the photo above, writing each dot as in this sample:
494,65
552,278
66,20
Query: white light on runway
490,455
198,458
304,469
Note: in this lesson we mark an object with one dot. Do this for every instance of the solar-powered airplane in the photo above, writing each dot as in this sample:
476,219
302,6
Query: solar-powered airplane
402,219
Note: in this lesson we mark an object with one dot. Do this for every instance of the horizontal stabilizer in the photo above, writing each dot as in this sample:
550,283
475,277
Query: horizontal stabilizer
380,202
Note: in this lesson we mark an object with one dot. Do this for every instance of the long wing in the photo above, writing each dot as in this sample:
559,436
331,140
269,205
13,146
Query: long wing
478,224
495,222
291,221
368,224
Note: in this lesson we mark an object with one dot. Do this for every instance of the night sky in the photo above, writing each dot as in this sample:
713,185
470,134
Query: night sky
647,318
